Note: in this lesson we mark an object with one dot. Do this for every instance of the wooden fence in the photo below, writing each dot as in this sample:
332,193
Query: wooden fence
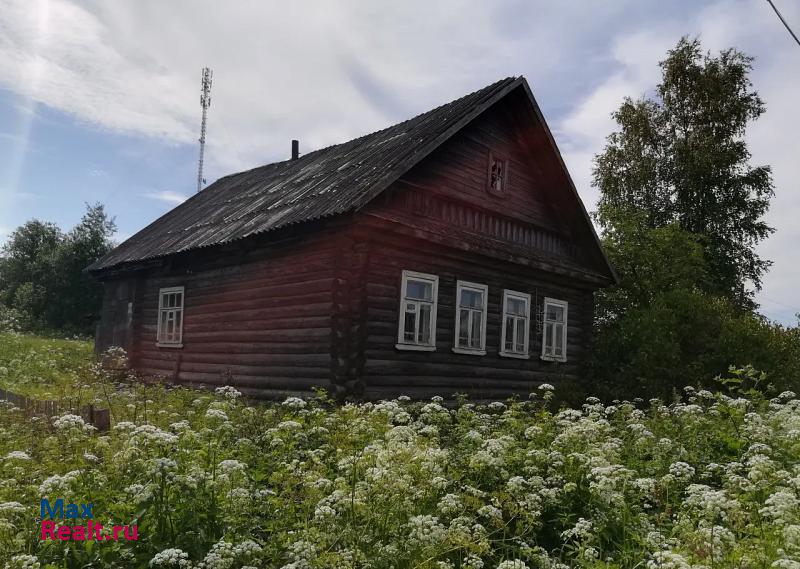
99,418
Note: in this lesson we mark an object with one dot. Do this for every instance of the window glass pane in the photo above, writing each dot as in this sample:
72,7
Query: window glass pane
555,313
410,322
548,339
516,306
509,347
477,318
519,343
463,327
419,290
471,298
178,324
178,299
425,324
559,339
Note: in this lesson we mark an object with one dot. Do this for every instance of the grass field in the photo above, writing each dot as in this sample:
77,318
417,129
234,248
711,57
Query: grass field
709,481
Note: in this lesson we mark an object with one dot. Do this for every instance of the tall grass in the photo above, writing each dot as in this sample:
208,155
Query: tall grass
709,481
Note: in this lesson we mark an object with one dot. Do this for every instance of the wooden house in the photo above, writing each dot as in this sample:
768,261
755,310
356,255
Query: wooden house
449,253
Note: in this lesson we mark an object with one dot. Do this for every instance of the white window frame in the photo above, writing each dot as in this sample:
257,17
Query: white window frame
402,344
164,312
484,290
545,323
507,294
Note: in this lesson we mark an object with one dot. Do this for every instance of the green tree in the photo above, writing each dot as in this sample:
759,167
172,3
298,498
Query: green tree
42,272
80,293
681,211
649,262
681,158
27,269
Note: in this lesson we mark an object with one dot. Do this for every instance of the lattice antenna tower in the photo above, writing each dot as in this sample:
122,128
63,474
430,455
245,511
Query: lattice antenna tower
205,102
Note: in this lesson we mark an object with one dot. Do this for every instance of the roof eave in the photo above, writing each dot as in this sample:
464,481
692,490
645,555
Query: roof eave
552,142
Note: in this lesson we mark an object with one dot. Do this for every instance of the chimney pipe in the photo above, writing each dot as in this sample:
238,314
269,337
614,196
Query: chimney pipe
295,149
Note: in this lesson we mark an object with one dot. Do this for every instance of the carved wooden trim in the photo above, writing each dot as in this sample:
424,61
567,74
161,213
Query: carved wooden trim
486,223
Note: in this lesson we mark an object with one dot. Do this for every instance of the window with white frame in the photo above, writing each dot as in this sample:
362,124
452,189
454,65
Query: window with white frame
470,318
554,330
516,324
170,317
417,326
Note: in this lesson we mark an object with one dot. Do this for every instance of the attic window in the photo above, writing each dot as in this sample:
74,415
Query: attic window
497,177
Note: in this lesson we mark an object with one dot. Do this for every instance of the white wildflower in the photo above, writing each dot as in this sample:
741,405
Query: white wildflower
17,455
172,557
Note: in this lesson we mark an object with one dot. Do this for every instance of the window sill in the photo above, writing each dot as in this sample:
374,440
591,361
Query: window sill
469,352
515,356
163,345
553,359
415,347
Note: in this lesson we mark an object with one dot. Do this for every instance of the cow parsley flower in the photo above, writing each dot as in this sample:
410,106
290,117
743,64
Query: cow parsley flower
172,557
449,504
782,507
681,471
512,564
581,531
216,415
69,422
228,392
232,466
58,485
11,508
17,455
151,433
668,560
294,403
425,530
24,561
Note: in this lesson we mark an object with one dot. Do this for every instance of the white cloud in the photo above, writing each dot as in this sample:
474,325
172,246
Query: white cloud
317,71
167,196
584,130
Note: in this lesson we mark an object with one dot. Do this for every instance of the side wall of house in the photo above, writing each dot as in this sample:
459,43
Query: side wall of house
389,371
441,218
270,320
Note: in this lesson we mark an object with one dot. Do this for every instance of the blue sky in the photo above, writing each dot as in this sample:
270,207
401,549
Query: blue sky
99,100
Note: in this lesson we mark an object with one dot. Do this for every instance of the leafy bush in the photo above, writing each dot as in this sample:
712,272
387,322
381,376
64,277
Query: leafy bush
687,338
9,320
710,481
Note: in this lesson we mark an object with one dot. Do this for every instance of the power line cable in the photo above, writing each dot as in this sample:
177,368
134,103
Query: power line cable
784,22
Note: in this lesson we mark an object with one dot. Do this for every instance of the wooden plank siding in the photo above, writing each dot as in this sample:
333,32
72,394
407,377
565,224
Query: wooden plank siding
389,372
262,322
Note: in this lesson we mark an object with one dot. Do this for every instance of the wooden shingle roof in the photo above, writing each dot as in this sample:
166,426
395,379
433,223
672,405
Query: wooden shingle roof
326,182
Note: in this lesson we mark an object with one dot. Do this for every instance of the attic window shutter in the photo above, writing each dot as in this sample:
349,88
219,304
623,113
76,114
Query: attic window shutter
497,175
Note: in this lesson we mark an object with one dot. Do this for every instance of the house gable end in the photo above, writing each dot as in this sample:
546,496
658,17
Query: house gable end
534,214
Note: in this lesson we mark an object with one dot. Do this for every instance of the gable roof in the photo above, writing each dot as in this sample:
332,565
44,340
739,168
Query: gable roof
322,183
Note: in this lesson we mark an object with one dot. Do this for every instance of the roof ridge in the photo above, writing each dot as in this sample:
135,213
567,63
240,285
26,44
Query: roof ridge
327,181
490,87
